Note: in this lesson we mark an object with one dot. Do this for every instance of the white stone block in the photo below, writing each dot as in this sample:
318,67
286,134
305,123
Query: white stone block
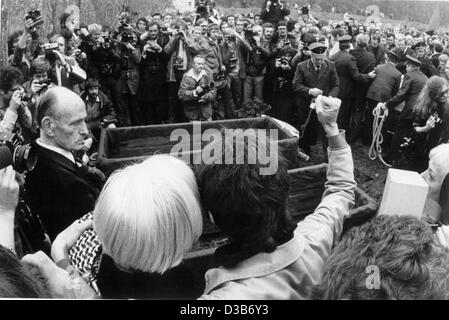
405,193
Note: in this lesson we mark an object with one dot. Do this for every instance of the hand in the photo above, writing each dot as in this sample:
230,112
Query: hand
87,144
67,239
327,109
372,75
257,39
430,124
29,26
130,46
199,90
60,57
84,32
71,24
35,87
9,191
268,4
278,64
16,100
146,48
315,92
111,126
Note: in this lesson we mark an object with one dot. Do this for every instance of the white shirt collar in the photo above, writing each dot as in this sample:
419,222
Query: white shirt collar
62,152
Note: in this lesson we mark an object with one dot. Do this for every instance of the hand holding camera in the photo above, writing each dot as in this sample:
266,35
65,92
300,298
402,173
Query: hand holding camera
16,100
199,90
431,123
9,191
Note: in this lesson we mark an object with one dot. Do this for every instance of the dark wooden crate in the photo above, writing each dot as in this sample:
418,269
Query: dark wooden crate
122,146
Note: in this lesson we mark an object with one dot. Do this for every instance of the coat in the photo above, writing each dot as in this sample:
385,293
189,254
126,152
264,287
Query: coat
306,78
386,84
59,191
275,14
380,54
189,84
411,87
295,267
348,74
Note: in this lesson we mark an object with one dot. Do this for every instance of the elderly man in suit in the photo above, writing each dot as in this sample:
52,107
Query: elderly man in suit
314,77
59,189
385,86
412,85
349,76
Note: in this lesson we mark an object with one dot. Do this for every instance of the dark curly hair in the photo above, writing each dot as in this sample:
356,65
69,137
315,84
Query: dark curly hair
410,264
249,207
9,77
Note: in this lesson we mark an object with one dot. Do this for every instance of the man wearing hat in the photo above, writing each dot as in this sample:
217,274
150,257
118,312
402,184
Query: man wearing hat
314,77
385,85
412,85
349,76
427,66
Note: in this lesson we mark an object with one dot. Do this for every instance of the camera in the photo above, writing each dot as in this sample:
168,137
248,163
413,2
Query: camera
126,37
206,89
220,76
233,60
36,17
178,63
14,152
48,49
249,33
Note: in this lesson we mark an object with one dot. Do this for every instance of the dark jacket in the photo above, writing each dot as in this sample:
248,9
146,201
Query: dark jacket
386,84
306,78
153,73
366,62
257,59
59,191
176,283
102,112
275,13
428,68
348,74
411,87
379,53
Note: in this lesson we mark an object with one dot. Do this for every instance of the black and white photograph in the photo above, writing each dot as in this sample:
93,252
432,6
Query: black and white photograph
234,151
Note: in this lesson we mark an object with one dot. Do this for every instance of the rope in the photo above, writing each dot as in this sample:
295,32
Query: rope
375,150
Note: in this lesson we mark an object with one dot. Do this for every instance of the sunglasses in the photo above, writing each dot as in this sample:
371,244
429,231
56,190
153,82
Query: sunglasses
319,50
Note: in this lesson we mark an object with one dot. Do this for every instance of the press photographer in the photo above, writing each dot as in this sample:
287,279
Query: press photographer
197,92
274,11
14,113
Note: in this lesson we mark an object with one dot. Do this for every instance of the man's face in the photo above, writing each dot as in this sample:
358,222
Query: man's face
282,31
196,34
420,51
40,76
390,40
239,26
93,92
257,20
153,32
400,44
214,34
141,26
156,18
318,61
70,128
204,26
383,42
375,43
268,33
231,21
61,45
198,65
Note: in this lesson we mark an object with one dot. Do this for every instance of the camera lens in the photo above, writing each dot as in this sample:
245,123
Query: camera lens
5,157
25,158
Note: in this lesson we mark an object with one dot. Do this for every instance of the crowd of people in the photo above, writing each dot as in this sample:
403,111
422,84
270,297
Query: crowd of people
130,232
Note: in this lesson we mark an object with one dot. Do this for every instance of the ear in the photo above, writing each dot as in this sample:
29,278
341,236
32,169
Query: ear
48,126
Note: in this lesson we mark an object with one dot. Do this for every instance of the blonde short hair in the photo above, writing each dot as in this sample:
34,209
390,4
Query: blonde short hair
148,215
438,169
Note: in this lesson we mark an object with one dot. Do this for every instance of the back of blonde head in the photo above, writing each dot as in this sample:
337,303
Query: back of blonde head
148,215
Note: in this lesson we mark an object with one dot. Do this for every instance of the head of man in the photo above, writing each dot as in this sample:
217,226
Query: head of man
93,88
375,41
442,61
60,40
420,49
362,41
400,44
153,30
282,29
257,19
239,26
383,41
142,24
203,24
231,21
214,31
156,17
60,117
197,33
390,39
199,64
318,53
268,31
39,69
11,79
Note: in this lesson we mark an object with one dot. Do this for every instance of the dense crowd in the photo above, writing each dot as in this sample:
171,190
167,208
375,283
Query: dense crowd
58,94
